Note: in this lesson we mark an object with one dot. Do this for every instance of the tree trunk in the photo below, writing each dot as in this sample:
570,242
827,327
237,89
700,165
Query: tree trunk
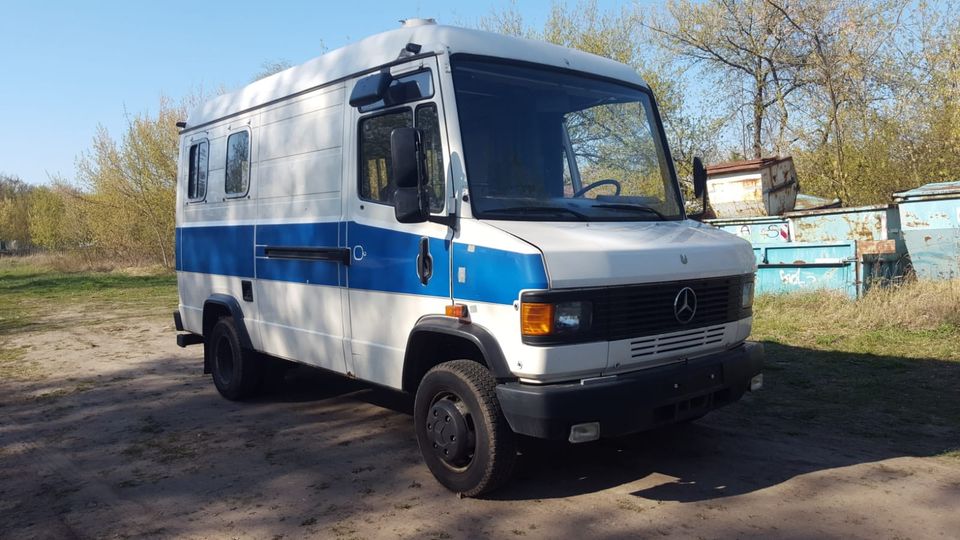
758,113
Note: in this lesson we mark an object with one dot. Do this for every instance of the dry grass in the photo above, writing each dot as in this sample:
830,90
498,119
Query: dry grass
82,261
14,367
919,319
914,305
917,305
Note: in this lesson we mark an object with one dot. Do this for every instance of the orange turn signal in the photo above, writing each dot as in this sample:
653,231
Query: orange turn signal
457,310
536,319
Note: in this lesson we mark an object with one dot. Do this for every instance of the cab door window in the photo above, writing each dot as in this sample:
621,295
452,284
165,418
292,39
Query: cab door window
375,163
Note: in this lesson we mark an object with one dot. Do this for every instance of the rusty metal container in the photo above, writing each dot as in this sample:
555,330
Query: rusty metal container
756,230
845,249
930,218
757,187
880,250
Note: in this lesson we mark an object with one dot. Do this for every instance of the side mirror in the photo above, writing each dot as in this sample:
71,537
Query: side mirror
411,203
699,177
699,187
370,89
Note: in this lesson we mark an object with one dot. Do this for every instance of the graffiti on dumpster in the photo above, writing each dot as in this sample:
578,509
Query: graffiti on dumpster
806,280
769,232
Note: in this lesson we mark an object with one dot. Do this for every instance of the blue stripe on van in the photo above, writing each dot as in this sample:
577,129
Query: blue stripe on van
390,262
177,242
495,275
298,235
225,250
491,275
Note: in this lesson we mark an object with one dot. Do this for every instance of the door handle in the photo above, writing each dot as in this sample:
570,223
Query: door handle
424,261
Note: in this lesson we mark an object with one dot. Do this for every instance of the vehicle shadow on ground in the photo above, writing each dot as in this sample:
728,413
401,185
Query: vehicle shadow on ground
158,432
819,410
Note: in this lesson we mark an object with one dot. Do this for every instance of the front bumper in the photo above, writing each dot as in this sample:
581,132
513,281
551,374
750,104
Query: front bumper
633,401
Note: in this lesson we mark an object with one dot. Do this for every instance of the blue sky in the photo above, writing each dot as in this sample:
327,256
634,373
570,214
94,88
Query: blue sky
66,67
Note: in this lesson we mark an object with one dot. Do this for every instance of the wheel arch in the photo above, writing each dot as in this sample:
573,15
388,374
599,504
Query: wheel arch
436,339
216,307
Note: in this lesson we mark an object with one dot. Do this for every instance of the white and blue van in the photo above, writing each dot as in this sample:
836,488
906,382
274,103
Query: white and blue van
489,223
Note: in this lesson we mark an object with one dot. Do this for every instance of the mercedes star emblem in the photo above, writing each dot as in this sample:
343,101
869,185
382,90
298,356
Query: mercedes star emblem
685,305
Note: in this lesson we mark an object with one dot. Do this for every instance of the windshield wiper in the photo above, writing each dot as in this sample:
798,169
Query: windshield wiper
624,206
538,210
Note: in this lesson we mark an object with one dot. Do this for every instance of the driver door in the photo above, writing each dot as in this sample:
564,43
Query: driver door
398,272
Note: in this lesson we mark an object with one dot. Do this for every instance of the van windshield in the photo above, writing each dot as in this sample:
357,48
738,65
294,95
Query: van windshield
547,145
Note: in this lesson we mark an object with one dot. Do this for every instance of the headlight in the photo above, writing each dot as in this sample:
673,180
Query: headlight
572,317
542,319
746,299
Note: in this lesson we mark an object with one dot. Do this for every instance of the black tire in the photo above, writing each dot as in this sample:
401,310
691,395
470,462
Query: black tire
236,371
457,399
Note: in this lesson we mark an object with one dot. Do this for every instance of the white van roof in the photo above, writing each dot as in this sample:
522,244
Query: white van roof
385,48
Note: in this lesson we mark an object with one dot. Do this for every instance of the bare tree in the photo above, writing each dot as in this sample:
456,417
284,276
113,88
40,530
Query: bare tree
748,46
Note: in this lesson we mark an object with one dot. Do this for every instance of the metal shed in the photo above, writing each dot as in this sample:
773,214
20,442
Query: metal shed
757,187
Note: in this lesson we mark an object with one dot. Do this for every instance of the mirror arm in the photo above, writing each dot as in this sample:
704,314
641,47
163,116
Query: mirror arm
450,220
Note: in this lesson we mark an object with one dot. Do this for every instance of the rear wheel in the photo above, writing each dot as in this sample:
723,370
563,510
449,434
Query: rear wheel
463,435
236,371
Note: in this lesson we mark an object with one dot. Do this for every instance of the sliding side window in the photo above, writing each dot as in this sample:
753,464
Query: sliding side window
237,177
197,171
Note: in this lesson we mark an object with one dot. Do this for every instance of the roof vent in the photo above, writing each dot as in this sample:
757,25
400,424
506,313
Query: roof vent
410,23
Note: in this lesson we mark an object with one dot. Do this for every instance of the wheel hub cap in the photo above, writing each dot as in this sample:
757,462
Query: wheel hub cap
448,430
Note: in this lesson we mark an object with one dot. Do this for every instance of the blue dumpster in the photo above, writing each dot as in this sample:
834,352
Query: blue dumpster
930,219
881,251
796,266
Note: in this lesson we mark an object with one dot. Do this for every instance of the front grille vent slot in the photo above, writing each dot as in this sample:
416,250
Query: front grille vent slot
674,343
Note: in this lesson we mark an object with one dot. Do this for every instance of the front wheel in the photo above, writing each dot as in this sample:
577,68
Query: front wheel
462,433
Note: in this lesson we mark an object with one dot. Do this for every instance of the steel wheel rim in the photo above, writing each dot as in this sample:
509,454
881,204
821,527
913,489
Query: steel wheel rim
452,440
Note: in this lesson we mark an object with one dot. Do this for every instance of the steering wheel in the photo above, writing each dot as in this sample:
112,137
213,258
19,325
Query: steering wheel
608,182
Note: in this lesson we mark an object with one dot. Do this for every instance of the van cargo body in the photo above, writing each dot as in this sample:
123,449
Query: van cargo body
489,223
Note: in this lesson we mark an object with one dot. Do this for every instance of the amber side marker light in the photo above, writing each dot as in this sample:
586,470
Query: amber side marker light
457,310
536,319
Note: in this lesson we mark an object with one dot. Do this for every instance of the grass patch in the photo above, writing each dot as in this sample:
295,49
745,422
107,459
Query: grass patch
914,320
14,367
27,291
884,367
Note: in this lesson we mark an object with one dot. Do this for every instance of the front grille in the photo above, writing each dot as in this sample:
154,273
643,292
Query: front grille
634,311
643,310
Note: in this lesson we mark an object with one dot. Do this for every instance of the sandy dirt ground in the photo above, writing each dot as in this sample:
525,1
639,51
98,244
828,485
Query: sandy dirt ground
111,431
